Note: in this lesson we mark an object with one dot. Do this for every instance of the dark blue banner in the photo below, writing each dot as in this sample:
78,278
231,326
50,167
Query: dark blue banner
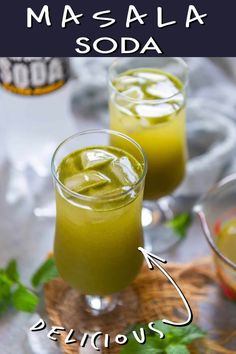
114,28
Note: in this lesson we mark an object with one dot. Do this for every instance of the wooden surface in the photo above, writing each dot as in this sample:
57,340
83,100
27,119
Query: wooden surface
154,296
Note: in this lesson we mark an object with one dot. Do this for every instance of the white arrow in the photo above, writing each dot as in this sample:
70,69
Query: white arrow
151,260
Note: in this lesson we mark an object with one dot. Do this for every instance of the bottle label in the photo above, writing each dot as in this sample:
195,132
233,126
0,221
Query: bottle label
33,76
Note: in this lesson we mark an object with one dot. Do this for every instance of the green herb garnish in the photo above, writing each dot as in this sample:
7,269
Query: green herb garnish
13,292
180,224
46,272
176,340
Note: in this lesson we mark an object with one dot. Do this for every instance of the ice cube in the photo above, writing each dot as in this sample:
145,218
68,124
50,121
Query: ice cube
83,181
134,92
177,100
70,165
95,158
123,104
122,83
154,114
116,191
158,110
163,89
151,76
124,171
110,192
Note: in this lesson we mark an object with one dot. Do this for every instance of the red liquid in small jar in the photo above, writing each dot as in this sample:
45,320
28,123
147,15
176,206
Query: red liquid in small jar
226,242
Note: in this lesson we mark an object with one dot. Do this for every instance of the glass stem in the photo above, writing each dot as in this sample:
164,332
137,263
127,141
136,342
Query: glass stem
157,212
98,305
157,236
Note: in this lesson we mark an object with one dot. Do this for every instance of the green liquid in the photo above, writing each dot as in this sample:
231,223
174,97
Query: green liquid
96,241
159,127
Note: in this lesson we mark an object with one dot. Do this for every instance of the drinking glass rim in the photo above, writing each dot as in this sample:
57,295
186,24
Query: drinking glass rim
146,101
98,198
208,235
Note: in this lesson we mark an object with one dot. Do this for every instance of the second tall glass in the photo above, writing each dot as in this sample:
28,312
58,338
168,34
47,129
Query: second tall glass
147,102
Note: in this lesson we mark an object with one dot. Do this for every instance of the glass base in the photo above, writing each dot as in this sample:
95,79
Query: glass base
159,238
110,315
98,305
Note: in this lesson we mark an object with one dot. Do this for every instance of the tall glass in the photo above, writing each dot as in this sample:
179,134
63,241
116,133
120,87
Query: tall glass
97,237
156,123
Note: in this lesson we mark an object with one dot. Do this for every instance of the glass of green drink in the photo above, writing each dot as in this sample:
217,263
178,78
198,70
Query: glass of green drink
99,193
147,102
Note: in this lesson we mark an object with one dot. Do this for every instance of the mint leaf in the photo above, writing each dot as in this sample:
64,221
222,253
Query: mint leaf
13,292
11,271
175,341
133,347
180,224
5,291
164,328
177,349
46,272
181,335
4,304
24,300
4,281
184,335
191,334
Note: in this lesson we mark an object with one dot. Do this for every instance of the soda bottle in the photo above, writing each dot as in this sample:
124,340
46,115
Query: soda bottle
35,109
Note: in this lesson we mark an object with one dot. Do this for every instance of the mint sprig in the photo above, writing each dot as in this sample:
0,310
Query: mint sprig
46,272
180,224
24,300
13,292
176,340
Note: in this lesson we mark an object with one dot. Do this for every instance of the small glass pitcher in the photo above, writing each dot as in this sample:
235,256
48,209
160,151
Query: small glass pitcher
216,209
